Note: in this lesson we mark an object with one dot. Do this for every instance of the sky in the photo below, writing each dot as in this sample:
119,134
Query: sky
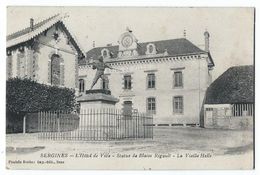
231,29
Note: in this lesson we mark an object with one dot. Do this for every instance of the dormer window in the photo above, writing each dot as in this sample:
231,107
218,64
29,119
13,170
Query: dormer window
165,52
105,53
150,49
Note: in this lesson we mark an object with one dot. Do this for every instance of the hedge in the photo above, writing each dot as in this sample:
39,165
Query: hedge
27,96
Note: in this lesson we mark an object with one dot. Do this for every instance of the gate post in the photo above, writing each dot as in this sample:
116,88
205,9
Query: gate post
24,124
58,121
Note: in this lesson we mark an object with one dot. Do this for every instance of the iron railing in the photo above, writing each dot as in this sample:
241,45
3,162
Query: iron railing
94,124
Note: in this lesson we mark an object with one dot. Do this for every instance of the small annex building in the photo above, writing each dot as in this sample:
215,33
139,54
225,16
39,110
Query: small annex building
229,100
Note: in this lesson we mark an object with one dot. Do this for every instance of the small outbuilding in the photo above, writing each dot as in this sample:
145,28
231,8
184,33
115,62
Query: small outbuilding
229,100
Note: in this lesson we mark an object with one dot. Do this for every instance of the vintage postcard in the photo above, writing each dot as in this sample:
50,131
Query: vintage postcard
129,88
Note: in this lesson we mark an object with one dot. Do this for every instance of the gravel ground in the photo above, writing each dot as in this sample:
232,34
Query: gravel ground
166,139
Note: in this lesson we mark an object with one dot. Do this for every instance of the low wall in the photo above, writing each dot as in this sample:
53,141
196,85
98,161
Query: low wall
229,122
14,123
221,116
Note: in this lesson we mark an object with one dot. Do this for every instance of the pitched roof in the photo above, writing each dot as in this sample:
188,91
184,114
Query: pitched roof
95,52
174,47
236,85
27,34
27,30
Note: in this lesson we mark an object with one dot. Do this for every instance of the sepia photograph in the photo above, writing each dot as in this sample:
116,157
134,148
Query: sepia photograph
130,88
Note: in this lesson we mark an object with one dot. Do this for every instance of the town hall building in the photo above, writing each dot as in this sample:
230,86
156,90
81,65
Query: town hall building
45,52
167,79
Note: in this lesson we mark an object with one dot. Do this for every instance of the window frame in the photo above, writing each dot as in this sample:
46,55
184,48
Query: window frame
175,110
176,85
127,82
103,51
150,48
80,85
56,65
150,80
150,51
105,54
150,105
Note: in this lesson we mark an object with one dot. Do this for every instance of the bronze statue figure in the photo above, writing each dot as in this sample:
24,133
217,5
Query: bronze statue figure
100,66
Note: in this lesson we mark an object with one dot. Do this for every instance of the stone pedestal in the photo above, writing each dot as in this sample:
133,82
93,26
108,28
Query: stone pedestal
97,99
94,106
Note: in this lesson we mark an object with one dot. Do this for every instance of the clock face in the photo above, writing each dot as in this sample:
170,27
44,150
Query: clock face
127,41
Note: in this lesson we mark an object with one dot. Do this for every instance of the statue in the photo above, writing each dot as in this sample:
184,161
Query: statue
98,98
100,66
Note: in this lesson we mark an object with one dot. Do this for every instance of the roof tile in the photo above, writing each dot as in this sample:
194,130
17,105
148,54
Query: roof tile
236,85
26,34
179,46
27,30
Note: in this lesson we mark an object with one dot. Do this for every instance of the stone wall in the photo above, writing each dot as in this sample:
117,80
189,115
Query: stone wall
244,122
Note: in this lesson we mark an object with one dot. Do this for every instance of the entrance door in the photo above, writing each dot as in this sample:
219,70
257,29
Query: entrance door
127,108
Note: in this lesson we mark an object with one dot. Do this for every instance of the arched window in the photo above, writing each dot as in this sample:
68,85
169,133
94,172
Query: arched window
81,85
55,70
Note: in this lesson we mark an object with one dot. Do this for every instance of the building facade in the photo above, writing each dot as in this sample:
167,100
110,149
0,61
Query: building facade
167,78
45,52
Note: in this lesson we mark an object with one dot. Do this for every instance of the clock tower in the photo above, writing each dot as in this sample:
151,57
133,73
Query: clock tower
127,45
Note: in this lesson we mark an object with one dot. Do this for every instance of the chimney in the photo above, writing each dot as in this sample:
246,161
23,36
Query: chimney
184,33
31,24
94,45
206,35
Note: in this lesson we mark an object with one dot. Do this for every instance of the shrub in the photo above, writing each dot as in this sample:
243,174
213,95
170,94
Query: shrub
27,96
